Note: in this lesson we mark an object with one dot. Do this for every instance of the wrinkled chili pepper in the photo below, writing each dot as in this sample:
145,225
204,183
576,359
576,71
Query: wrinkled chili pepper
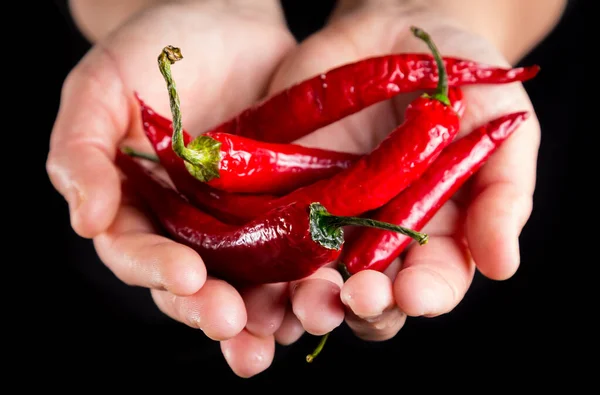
288,243
430,124
415,206
347,89
239,164
228,207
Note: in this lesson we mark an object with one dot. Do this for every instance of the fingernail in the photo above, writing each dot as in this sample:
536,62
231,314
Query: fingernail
429,302
349,301
346,298
300,314
64,185
73,197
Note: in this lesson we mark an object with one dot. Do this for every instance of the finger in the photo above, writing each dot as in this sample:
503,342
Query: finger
291,329
316,301
373,314
265,305
93,117
247,354
139,257
361,30
501,203
434,278
217,309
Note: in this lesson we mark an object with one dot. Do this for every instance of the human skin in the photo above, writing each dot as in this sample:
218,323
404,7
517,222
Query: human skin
477,230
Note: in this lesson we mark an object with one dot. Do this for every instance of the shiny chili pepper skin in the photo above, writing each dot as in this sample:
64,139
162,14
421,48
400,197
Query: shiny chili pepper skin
347,89
248,166
275,248
227,207
400,159
374,249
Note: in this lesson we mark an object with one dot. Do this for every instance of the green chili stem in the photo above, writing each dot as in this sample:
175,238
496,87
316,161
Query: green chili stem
311,357
333,221
138,154
441,92
343,270
326,230
167,57
202,155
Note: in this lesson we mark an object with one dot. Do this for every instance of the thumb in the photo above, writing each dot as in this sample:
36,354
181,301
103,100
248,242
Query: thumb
93,117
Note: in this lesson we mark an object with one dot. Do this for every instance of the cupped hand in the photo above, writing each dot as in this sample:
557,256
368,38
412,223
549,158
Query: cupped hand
488,214
231,50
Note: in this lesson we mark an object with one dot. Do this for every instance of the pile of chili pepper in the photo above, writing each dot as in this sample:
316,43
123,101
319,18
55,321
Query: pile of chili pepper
260,209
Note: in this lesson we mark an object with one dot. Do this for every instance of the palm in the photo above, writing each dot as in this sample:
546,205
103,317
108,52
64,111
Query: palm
230,61
485,216
220,73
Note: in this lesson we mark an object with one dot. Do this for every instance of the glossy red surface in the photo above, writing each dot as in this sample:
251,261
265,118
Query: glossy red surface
376,249
347,89
249,166
276,247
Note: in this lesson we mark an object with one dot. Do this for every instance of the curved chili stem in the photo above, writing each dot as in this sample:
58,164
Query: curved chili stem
202,155
138,154
326,229
441,92
311,357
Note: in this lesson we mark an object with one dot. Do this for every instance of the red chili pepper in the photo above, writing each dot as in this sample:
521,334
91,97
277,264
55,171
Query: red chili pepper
202,154
331,96
239,164
413,208
231,208
430,125
228,207
288,243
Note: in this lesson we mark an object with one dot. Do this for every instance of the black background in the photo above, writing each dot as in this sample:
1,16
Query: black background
88,319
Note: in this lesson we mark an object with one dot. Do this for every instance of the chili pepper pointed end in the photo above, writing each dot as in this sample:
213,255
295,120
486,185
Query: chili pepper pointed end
327,235
202,157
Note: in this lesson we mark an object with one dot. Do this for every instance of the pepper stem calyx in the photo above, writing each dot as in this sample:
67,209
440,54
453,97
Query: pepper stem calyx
326,229
202,155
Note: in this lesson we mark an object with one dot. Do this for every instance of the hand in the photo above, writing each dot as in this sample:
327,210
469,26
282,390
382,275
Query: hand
220,76
429,280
